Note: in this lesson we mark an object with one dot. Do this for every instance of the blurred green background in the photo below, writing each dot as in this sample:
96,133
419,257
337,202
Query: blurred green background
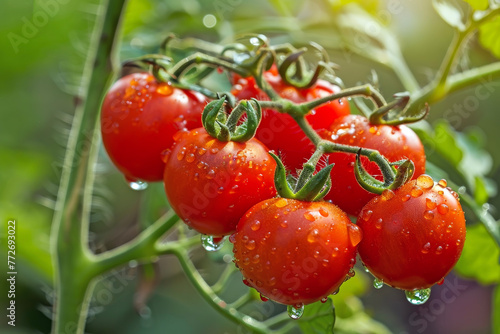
43,49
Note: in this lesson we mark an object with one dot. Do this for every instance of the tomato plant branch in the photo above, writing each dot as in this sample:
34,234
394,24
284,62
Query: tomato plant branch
211,297
223,279
70,220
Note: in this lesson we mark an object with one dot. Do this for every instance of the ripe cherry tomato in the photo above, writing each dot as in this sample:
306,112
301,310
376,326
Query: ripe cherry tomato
279,131
394,142
295,252
412,237
138,120
210,184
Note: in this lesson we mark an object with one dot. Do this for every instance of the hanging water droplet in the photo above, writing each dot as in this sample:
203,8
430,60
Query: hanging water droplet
137,185
263,298
295,311
324,299
378,283
207,241
418,297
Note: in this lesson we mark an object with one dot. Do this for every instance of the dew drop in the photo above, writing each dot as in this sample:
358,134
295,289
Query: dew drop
439,250
416,192
354,234
210,175
426,248
443,209
418,297
214,150
181,154
378,283
312,236
441,281
137,185
443,183
324,299
232,238
164,89
190,157
425,181
308,215
264,299
406,198
211,245
255,225
429,215
430,204
295,311
378,224
281,203
165,155
366,214
245,281
202,151
323,212
250,245
387,194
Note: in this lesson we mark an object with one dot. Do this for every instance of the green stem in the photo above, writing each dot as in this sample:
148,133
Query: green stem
223,279
200,58
70,220
218,304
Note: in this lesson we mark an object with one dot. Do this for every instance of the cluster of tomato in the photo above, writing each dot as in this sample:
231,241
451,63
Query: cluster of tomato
292,251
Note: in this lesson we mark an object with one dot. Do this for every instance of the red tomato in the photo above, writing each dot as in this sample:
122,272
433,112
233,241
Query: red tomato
295,252
412,237
279,131
138,120
394,142
210,184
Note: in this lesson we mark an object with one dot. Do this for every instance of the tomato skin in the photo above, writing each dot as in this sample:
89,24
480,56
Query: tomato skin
293,251
210,184
138,120
279,131
412,240
394,142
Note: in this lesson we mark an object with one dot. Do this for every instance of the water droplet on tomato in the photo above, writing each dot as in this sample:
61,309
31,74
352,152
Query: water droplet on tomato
431,205
210,243
190,157
378,223
425,181
366,214
295,311
429,215
260,177
136,184
441,281
264,299
309,216
323,212
378,283
181,154
387,195
233,189
324,299
246,282
418,297
312,236
255,226
165,155
354,234
250,245
202,151
443,183
406,198
164,89
426,248
281,203
232,238
443,209
211,174
416,191
439,250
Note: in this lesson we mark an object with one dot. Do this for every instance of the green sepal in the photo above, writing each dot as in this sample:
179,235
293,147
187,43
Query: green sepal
317,187
210,115
365,180
394,113
405,171
280,179
247,130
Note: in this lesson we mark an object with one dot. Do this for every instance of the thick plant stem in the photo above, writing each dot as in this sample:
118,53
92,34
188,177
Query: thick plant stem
70,223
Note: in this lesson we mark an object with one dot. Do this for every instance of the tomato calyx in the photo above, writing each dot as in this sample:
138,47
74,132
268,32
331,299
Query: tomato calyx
225,128
393,113
393,178
307,187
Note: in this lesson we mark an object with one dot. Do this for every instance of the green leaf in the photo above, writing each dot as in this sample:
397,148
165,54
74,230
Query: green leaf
489,36
450,12
496,310
318,318
478,4
480,257
480,191
355,319
446,144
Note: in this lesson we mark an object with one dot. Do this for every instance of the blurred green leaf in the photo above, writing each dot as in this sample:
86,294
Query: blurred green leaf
478,4
480,256
354,320
450,12
480,191
446,144
137,13
318,318
489,36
